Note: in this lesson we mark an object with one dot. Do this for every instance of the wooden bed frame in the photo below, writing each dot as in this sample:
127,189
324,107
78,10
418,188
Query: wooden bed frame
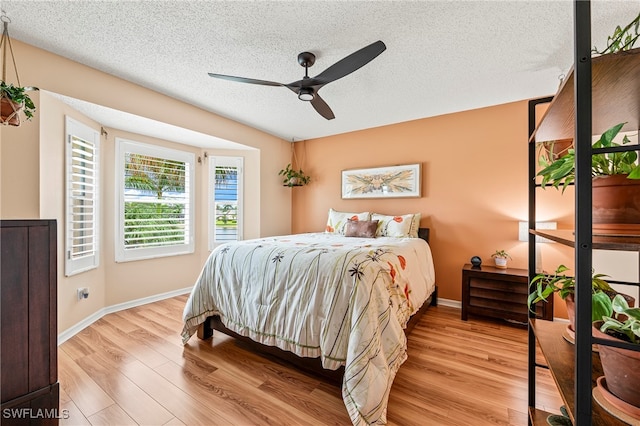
311,365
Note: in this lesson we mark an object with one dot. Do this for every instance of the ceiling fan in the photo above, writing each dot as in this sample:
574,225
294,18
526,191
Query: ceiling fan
307,88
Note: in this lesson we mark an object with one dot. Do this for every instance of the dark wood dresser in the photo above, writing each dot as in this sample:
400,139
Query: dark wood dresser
28,323
499,293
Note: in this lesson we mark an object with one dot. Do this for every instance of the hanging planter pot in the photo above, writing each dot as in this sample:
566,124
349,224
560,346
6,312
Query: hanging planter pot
13,99
9,111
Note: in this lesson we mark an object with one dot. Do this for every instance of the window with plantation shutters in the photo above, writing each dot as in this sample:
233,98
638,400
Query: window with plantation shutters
82,197
225,199
156,203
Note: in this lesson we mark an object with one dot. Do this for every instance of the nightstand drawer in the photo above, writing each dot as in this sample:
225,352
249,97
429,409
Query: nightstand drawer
499,293
498,286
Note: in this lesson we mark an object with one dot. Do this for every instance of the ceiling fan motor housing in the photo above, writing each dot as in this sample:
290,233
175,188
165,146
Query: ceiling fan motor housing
306,59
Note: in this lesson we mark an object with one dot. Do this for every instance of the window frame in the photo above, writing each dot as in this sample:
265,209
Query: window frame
222,160
88,135
124,146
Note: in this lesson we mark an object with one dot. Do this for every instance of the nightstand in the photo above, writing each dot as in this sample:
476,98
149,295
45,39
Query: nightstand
499,293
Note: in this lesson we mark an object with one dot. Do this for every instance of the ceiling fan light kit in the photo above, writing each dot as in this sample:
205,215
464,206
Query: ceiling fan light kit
307,88
306,94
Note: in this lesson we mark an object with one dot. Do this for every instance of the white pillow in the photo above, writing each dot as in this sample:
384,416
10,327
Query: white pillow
404,226
337,221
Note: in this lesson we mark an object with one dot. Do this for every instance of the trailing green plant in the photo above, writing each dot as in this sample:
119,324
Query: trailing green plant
561,172
622,38
293,177
622,321
546,284
18,95
501,254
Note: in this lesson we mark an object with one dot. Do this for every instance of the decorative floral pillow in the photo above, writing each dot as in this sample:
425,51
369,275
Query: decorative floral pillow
404,226
337,221
361,228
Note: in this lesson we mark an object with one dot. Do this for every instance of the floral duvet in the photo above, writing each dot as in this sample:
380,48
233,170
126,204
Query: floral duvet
343,299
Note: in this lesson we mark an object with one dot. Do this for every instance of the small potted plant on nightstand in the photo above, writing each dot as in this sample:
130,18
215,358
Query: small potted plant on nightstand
501,257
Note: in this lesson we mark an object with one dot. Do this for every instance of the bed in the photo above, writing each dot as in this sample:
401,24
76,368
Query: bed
344,302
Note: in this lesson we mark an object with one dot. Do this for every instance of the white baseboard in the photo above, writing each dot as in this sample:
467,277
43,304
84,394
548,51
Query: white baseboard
458,305
72,331
450,303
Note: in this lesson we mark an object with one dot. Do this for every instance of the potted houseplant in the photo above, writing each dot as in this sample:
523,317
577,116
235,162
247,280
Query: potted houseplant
292,177
14,99
621,366
501,257
544,285
616,181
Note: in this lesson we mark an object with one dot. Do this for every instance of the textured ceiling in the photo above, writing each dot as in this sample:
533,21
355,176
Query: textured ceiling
441,57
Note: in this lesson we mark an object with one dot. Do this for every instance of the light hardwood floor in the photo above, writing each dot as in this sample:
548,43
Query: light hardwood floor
130,368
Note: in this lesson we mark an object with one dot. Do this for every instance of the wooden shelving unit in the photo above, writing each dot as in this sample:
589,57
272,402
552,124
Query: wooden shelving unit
560,356
616,85
597,94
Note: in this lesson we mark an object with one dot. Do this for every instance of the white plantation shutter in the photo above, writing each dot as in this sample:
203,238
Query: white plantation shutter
156,204
82,190
225,199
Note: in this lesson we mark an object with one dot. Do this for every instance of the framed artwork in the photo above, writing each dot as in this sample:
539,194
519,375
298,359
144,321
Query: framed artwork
382,182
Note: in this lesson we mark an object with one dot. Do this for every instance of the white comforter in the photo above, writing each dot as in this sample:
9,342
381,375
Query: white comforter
345,300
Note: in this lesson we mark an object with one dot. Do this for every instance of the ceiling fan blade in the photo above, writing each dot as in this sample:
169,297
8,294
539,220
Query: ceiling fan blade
321,106
350,63
246,80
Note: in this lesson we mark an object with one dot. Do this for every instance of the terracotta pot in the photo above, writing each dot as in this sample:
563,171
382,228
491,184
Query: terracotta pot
557,149
9,112
621,369
571,309
616,203
616,403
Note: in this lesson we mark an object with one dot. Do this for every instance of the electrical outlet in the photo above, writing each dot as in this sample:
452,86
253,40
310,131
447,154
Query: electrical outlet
83,293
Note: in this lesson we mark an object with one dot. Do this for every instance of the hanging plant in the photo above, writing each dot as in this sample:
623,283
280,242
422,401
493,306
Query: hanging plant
13,99
622,38
293,177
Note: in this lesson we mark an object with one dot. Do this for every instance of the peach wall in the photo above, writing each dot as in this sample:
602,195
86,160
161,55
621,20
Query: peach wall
19,168
474,184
